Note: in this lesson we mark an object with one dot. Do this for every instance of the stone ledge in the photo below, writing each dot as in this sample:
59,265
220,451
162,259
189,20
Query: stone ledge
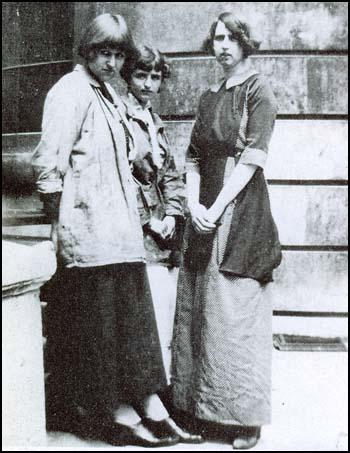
26,268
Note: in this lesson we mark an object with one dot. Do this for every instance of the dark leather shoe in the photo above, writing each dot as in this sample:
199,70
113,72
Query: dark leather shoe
246,439
137,435
169,427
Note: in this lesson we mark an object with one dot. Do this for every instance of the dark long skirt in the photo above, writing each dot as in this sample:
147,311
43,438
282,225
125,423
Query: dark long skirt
102,341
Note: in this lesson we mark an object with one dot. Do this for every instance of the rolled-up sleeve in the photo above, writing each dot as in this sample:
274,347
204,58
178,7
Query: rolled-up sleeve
261,111
60,130
193,154
192,164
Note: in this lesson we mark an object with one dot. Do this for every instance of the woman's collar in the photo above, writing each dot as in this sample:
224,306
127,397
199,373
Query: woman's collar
83,70
136,110
134,103
233,80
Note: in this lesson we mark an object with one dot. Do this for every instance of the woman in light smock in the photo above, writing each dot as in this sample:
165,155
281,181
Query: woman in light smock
160,189
222,335
103,350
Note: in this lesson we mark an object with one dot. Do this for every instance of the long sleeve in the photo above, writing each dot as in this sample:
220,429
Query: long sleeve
172,188
61,125
258,121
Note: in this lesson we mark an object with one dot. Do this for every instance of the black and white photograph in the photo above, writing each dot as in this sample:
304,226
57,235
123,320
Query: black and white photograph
175,226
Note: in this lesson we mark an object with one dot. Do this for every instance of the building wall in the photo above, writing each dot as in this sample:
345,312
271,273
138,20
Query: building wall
304,54
37,45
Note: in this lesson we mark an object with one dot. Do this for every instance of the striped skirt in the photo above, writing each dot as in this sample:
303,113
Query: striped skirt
222,343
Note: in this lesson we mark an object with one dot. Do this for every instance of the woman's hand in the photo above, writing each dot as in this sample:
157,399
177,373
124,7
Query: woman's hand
156,226
51,205
214,213
168,227
164,228
199,219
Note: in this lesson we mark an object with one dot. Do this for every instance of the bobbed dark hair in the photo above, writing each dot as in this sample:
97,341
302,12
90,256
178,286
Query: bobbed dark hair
107,30
147,58
240,31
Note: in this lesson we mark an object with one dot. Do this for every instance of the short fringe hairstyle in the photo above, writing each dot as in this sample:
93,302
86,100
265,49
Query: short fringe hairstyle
107,30
147,58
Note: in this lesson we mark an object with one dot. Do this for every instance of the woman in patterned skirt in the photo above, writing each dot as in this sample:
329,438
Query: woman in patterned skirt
222,342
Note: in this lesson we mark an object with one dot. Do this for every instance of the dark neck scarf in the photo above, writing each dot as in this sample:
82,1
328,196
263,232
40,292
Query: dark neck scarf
102,86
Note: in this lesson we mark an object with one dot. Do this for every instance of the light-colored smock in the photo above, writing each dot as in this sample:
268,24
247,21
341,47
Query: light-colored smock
83,154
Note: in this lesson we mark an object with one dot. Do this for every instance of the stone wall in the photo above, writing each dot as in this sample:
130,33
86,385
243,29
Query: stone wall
304,54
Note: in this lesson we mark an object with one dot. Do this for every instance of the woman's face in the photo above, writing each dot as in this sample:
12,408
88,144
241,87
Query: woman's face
106,63
228,51
144,85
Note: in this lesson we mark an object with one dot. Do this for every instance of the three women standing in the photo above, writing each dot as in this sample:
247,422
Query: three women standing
103,347
222,336
103,350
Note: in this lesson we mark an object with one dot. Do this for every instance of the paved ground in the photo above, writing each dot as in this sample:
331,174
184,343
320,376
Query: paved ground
309,409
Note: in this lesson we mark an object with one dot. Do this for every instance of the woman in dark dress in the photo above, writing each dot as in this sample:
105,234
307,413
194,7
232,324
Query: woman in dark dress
222,343
103,353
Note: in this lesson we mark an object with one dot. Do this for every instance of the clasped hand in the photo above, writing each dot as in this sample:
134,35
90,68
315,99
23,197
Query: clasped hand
203,219
164,228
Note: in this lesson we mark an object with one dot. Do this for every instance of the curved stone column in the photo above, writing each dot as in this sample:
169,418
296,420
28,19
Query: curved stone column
25,270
